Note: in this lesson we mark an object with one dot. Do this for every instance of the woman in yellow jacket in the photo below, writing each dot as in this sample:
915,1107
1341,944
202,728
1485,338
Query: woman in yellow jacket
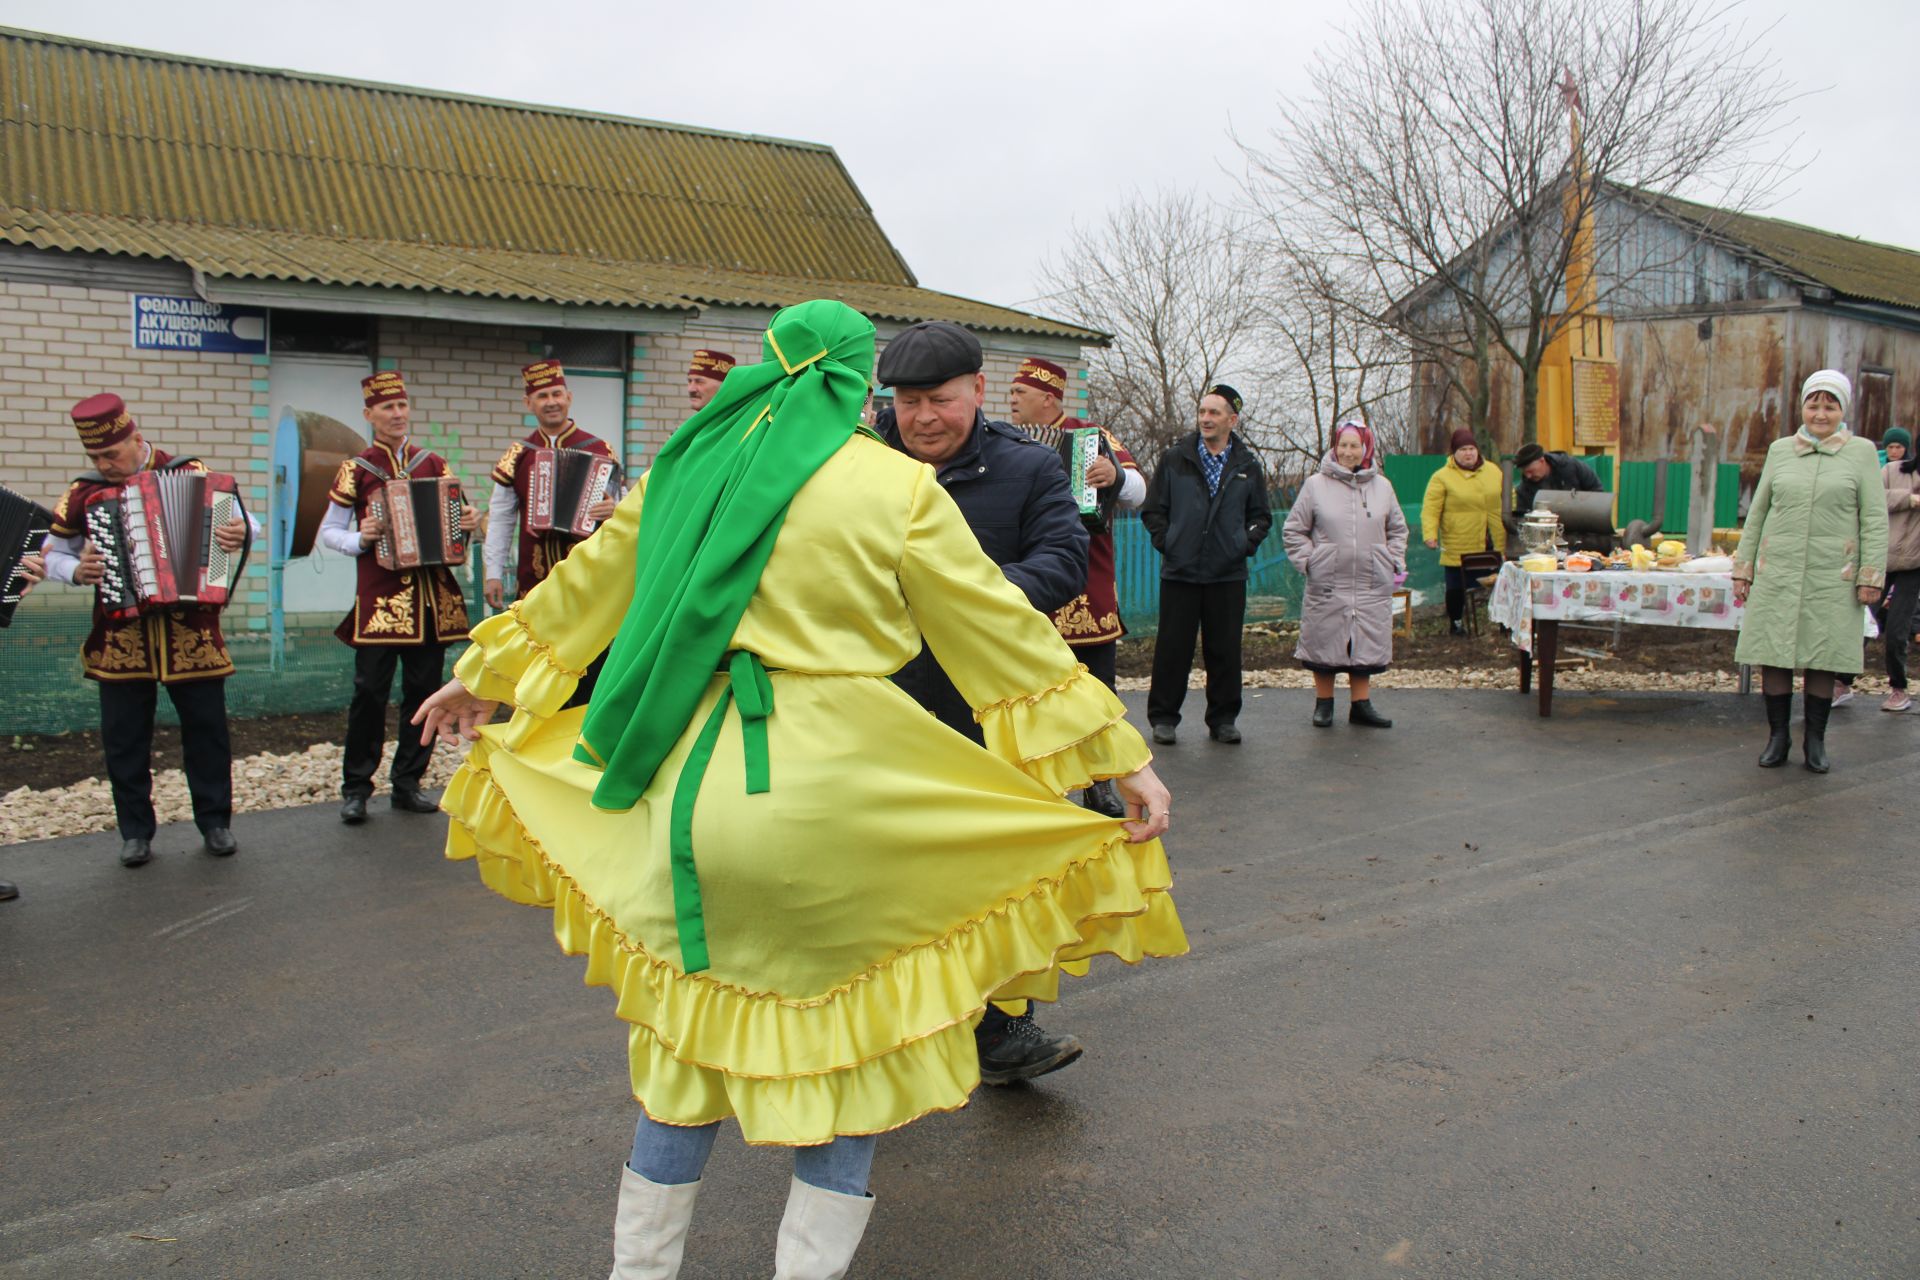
1461,516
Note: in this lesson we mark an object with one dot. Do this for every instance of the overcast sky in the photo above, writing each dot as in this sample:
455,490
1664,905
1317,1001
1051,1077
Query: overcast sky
982,132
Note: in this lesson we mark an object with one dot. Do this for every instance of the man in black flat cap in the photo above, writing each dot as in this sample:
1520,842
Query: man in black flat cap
1207,513
1013,493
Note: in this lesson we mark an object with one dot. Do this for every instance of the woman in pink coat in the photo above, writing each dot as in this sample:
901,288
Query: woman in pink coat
1347,535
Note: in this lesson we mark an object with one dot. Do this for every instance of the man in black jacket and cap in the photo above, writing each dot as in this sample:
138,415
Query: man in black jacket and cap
1206,511
1542,471
1013,493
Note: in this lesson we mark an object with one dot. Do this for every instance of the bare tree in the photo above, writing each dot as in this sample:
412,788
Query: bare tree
1432,157
1174,281
1331,359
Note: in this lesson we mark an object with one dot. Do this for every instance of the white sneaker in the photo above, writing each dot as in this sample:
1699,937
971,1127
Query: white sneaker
1896,700
1843,695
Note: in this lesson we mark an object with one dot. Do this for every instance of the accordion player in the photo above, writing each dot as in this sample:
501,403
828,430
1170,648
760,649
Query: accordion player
562,486
421,518
155,531
23,527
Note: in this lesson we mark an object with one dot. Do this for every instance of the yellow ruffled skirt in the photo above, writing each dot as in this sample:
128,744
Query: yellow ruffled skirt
858,914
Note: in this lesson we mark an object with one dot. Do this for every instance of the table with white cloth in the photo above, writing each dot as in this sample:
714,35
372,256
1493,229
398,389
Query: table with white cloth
1531,606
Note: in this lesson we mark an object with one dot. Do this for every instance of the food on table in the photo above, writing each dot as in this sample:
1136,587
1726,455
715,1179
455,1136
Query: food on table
1578,563
1539,562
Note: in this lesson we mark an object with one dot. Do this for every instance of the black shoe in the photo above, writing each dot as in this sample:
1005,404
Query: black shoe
1103,799
1780,730
1017,1049
1226,733
411,801
220,843
1323,713
136,853
353,810
1816,731
8,891
1163,734
1361,712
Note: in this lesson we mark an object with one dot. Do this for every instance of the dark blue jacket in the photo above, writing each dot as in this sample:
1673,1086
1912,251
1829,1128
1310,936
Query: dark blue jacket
1013,492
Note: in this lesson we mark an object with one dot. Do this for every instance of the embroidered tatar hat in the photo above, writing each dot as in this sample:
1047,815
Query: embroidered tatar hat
1042,375
708,363
1834,383
102,421
542,374
383,386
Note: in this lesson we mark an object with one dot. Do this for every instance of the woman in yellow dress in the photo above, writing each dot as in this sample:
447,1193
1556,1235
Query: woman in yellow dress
802,887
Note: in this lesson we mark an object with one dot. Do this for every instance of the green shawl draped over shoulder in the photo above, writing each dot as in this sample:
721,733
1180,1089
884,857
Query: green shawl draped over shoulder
716,497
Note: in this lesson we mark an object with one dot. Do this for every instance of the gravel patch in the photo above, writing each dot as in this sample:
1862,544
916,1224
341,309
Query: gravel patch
260,782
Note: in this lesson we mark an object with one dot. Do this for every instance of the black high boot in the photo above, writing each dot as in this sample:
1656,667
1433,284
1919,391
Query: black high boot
1816,744
1779,726
1322,713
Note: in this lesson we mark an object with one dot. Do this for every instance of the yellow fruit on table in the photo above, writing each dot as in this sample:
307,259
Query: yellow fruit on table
1672,547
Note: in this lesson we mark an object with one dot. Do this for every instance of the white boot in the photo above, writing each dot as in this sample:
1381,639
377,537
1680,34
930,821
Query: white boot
819,1233
650,1227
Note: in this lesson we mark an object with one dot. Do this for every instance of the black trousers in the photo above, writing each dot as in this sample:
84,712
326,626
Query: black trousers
1456,588
1217,611
126,734
1896,627
422,670
1101,659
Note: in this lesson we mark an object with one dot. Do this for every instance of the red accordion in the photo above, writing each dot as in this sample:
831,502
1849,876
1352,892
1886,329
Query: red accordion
561,485
156,532
422,523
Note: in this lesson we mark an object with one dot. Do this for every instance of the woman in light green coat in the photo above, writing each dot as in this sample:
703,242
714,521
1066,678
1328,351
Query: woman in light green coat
1812,553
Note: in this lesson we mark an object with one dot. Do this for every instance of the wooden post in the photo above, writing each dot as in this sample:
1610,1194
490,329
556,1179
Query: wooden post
1705,461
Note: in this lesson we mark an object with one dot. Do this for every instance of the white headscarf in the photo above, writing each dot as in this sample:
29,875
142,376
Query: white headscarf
1834,383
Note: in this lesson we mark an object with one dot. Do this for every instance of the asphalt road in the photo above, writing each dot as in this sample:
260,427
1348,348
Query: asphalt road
1484,995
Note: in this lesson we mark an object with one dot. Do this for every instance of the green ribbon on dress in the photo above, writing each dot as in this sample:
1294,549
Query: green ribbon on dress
716,497
748,688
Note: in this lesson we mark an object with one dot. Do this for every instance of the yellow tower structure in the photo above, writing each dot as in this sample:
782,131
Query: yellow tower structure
1579,391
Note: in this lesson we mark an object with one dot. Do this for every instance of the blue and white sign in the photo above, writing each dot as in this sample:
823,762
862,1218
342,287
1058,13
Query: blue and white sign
165,323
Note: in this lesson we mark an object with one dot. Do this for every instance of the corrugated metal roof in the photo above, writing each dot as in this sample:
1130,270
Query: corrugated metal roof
237,254
253,173
1850,267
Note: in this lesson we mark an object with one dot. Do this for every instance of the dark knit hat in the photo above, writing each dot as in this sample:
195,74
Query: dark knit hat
1461,439
1897,435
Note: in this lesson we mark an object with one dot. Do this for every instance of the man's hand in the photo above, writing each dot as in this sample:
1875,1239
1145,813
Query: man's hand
495,593
33,571
469,518
452,714
232,535
1868,596
92,567
1101,472
372,527
1149,804
602,511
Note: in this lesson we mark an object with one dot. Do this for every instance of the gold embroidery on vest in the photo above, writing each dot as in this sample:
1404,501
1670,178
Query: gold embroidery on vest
392,615
123,647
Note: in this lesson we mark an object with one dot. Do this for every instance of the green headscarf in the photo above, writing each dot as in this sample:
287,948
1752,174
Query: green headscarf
716,498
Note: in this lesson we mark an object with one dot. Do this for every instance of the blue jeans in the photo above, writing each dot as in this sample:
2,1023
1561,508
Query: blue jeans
672,1154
